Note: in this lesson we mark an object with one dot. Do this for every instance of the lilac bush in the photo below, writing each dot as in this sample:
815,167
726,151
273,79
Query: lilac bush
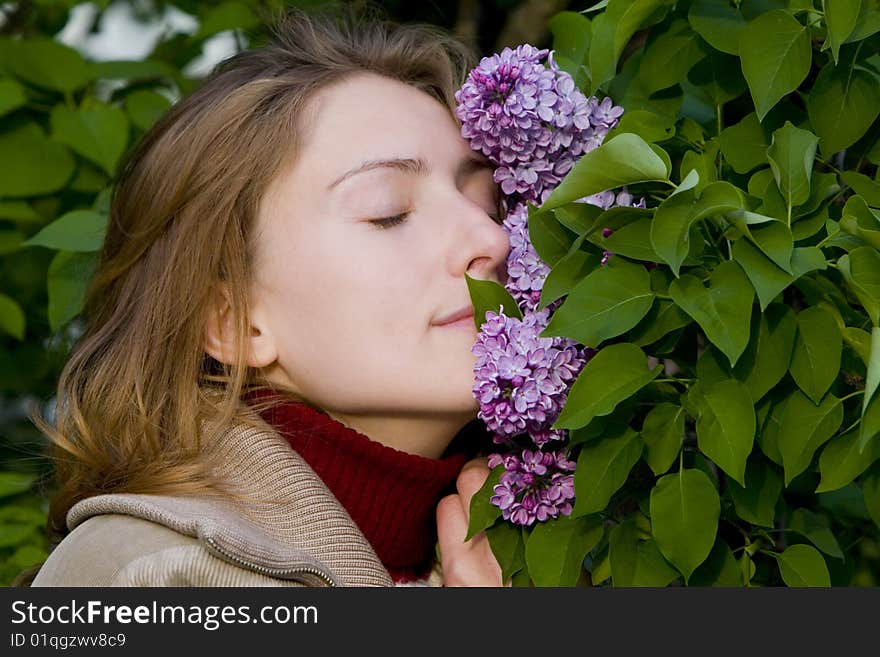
530,120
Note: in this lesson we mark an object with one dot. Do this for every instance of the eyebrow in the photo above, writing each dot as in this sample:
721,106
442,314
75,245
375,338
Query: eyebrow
415,166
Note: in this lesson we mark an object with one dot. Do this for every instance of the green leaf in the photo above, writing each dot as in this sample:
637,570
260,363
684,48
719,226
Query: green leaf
861,270
766,277
11,317
579,218
791,154
13,483
663,433
767,358
608,302
67,280
702,164
145,107
755,502
615,373
663,318
840,19
775,241
762,185
816,529
613,29
623,160
842,461
842,105
633,240
872,381
775,53
12,95
868,21
723,310
552,241
226,16
804,428
719,77
490,296
99,133
133,70
49,64
744,144
483,513
602,469
671,228
726,426
859,220
19,211
635,562
509,548
572,34
650,126
802,565
823,187
684,518
79,230
768,436
669,57
719,23
859,341
30,164
555,549
567,273
870,420
815,362
719,569
863,186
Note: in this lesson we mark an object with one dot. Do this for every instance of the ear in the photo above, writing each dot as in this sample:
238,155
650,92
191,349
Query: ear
220,335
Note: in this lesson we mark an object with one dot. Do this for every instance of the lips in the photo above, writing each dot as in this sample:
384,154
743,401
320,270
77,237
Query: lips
462,313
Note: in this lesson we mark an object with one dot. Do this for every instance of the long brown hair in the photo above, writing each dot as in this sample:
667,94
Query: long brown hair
138,396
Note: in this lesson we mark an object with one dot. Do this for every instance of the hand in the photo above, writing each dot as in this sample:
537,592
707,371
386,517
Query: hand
468,563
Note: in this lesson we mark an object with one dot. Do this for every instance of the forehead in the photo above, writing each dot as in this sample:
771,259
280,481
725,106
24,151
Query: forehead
369,116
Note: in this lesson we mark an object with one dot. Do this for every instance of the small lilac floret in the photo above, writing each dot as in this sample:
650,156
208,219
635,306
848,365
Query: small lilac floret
534,487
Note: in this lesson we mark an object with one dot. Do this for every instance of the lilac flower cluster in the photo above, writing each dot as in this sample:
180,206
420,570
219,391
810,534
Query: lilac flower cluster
534,486
530,120
522,380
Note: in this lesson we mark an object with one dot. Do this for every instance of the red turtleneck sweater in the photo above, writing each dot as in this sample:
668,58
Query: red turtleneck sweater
391,495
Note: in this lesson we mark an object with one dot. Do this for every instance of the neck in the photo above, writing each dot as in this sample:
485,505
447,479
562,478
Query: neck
419,435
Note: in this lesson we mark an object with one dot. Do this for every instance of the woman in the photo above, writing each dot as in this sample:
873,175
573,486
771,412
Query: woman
277,356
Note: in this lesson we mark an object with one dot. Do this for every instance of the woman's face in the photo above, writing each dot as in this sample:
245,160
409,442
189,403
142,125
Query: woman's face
361,250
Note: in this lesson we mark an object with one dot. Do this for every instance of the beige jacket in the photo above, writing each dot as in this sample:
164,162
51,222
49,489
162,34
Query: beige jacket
303,537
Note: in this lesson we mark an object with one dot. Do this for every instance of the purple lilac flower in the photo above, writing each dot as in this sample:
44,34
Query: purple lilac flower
534,486
530,119
526,271
521,379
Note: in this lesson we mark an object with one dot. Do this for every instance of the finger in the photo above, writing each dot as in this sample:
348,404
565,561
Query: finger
452,524
471,479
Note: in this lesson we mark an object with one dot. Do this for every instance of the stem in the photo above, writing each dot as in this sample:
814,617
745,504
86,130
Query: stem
852,394
674,380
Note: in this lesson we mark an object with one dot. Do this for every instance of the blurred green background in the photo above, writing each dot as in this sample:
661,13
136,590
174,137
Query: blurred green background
79,84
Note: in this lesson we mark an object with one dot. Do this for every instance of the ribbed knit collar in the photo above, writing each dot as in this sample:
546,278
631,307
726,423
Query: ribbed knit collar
391,495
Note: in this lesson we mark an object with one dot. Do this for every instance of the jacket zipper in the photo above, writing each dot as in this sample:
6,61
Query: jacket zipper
272,572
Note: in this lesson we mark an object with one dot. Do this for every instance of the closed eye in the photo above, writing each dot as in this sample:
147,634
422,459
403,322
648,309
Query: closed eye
389,222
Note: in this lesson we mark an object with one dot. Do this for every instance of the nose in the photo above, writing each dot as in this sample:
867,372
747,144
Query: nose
479,246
